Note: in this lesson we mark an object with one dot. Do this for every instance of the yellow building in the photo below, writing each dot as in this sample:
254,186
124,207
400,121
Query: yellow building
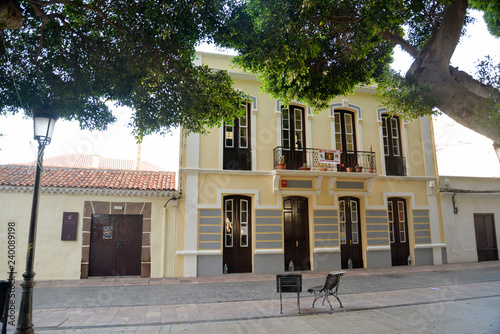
241,212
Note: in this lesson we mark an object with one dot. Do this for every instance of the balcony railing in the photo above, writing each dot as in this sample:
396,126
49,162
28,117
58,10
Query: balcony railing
308,158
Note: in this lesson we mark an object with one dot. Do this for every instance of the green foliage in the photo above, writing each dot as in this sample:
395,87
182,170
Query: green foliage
78,55
491,9
488,73
311,50
402,95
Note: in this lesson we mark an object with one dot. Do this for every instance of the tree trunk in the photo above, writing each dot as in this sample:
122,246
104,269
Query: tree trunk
461,97
11,16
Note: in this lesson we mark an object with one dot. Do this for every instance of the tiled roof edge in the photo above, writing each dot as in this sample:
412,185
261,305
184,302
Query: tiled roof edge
92,191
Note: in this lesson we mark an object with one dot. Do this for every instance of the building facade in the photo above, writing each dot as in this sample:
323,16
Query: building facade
91,222
243,211
470,216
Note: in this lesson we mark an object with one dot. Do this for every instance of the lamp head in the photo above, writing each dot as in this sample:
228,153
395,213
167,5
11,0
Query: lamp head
44,120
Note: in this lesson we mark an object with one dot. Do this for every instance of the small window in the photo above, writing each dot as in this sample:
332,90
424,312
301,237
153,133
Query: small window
228,226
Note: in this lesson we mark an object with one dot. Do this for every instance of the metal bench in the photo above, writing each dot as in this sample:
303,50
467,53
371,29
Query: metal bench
289,283
329,288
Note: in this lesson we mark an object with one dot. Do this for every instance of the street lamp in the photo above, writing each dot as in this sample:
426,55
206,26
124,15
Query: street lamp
44,119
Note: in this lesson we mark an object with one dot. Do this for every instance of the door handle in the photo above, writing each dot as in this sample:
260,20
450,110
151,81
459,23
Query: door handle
350,241
296,244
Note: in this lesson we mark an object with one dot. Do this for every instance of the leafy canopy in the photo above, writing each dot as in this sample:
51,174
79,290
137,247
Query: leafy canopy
314,50
79,54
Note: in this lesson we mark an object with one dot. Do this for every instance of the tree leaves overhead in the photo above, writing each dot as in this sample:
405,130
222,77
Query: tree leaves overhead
307,50
314,50
79,54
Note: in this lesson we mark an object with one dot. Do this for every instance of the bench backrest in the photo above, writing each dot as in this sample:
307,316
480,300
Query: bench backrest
289,283
332,280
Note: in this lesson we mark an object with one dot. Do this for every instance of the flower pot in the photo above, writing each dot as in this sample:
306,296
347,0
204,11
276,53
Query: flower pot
359,169
305,168
324,169
349,169
371,170
282,166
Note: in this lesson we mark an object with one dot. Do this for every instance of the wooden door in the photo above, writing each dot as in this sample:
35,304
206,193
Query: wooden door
296,232
237,237
486,239
293,137
116,245
398,231
350,232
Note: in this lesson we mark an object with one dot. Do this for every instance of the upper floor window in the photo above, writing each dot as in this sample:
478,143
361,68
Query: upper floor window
237,150
391,139
345,138
293,141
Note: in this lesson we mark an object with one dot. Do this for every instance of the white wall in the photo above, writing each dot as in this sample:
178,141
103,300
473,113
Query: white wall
472,195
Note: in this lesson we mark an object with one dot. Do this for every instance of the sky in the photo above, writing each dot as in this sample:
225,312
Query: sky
459,151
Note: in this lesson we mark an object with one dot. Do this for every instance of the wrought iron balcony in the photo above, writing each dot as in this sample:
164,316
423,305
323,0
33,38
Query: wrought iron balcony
308,158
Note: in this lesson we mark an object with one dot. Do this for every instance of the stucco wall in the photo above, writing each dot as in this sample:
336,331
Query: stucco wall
56,259
459,228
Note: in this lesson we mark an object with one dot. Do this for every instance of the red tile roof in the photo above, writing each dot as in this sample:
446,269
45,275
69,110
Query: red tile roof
97,162
18,176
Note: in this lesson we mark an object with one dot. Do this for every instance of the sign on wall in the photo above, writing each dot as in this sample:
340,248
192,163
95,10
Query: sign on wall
69,226
329,156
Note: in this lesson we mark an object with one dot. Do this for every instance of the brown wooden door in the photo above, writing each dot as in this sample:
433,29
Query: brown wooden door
350,232
293,137
116,245
398,231
486,239
296,232
237,237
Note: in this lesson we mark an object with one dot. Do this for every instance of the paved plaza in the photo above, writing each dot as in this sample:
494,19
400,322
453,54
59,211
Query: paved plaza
454,298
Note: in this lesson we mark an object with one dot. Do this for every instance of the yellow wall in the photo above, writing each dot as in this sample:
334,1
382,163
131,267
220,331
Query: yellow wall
56,259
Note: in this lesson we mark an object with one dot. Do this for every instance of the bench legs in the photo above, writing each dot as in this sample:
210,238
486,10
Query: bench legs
324,294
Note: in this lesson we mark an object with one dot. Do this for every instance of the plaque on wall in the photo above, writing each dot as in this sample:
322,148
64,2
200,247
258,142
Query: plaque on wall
69,226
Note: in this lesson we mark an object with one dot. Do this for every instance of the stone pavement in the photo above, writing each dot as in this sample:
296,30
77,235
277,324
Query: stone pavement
455,298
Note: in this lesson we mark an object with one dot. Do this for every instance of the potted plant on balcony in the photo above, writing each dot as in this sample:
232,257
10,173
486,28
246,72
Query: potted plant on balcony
358,168
282,164
304,167
349,169
371,163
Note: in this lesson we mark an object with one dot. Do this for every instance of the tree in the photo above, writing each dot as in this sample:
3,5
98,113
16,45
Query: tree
314,50
78,54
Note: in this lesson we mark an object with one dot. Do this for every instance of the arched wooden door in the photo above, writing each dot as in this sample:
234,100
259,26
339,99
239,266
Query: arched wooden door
296,232
398,231
350,232
237,237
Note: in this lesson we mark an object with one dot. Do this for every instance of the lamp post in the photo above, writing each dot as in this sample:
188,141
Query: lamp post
44,120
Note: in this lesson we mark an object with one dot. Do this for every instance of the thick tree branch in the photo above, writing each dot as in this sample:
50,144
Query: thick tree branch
443,43
400,41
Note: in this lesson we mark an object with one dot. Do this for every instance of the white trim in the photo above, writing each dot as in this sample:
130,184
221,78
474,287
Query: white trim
407,147
255,106
191,225
253,139
377,248
430,246
327,250
427,146
269,251
198,252
221,146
